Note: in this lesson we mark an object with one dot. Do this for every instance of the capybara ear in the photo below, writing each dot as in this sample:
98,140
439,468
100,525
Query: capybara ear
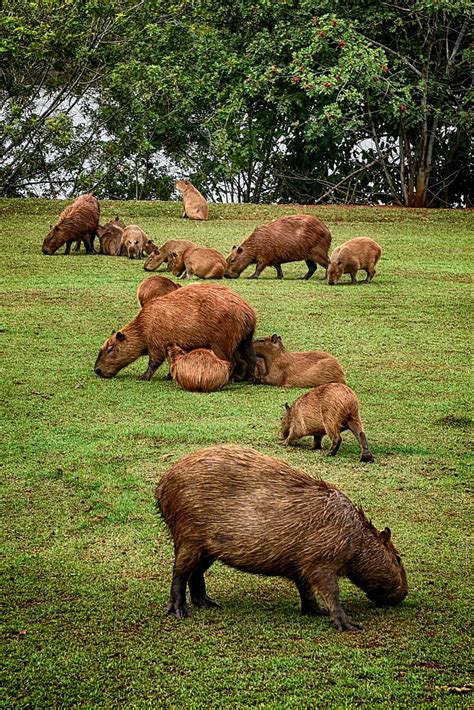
234,247
239,250
56,229
275,338
117,218
287,407
120,337
113,332
385,536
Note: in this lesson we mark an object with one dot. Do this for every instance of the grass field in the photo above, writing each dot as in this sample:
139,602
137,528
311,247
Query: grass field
87,560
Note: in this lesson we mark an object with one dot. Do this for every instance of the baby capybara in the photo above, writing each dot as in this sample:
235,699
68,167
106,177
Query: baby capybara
154,286
299,237
77,223
327,409
110,237
259,515
283,368
359,253
163,254
133,241
195,205
198,316
198,261
198,370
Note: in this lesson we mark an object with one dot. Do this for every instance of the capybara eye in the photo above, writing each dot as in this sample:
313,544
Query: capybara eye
109,349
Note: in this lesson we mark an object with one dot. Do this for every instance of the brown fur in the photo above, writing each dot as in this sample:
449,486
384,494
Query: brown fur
149,247
198,316
198,261
199,370
133,241
298,237
359,253
155,286
163,254
77,223
327,409
283,368
259,515
110,237
195,205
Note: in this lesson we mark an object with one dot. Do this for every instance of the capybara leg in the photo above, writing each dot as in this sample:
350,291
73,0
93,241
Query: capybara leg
68,247
258,270
336,442
153,365
88,245
197,585
184,563
317,442
309,605
184,215
311,268
279,271
366,454
325,583
370,276
77,245
247,351
353,277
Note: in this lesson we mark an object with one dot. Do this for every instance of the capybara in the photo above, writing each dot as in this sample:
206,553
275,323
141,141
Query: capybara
154,286
133,241
110,237
77,223
259,515
299,237
198,261
149,246
158,256
198,370
327,409
283,368
198,316
195,205
359,253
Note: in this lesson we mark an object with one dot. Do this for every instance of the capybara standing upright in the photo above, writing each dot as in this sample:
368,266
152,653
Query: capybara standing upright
195,205
202,262
328,409
110,237
359,253
133,241
259,515
77,223
163,254
198,316
279,367
198,370
299,237
155,286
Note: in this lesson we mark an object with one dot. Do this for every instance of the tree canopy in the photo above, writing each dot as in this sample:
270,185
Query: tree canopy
263,100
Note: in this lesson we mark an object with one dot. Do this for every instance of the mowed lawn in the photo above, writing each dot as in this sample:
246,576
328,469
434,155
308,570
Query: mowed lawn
87,560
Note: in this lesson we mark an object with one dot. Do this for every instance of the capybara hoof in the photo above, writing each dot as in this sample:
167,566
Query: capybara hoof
205,602
344,623
181,612
367,458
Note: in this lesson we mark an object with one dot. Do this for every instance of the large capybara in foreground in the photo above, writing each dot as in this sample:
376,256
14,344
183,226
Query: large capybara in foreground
198,261
359,253
154,286
133,241
110,237
299,237
327,409
195,205
198,316
259,515
198,370
283,368
163,254
77,223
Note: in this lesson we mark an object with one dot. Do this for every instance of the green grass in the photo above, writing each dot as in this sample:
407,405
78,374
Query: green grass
87,561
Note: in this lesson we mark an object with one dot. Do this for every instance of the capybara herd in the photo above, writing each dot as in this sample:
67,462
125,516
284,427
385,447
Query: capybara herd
259,515
226,502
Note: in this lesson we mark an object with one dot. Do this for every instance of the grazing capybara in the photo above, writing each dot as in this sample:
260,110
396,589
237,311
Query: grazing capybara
359,253
77,223
163,254
195,205
198,316
259,515
110,237
299,237
283,368
133,241
155,286
198,261
327,409
198,370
